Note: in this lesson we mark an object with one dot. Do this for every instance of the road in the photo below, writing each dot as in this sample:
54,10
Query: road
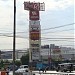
51,73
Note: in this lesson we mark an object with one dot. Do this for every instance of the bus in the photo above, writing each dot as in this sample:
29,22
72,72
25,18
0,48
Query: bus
64,67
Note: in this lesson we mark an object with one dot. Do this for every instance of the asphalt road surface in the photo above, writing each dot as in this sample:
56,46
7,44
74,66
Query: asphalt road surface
50,73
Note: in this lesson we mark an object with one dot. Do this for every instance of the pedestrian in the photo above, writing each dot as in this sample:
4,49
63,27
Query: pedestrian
46,68
7,70
39,70
43,70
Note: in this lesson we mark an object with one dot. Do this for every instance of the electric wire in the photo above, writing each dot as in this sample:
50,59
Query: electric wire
49,28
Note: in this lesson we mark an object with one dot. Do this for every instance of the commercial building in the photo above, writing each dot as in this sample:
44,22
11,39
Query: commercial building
47,51
57,53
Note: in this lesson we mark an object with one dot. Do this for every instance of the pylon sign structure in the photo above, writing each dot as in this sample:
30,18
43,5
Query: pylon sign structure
34,28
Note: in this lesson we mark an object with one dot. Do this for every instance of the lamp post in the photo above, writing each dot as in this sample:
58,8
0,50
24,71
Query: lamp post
14,32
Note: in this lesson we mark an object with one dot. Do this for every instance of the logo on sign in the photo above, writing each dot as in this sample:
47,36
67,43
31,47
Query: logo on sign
31,6
34,6
34,15
34,35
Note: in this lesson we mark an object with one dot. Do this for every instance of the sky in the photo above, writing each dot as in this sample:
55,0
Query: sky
57,23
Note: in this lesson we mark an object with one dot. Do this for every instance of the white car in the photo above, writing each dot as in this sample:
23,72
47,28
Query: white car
23,69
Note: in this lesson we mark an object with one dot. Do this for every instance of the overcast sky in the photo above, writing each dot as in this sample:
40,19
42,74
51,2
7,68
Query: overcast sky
57,13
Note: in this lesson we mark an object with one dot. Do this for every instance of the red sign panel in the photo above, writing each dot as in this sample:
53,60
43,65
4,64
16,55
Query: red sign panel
34,15
56,50
34,35
31,6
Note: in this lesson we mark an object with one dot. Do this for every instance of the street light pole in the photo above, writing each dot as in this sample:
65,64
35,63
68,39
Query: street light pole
14,32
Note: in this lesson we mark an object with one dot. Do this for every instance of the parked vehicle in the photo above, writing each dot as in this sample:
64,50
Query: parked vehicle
23,69
24,66
64,67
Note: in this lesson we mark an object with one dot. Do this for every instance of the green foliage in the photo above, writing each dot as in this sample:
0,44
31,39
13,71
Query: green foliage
25,59
17,62
1,63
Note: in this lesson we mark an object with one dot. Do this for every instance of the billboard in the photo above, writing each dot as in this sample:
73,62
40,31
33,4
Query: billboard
35,53
35,23
34,6
34,35
31,6
34,28
35,56
35,45
34,15
35,50
34,42
56,50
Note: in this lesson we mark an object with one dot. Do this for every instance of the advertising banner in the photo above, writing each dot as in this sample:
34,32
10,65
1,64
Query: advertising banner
34,15
35,53
34,41
34,35
35,50
31,6
34,6
34,28
56,50
35,56
35,44
36,23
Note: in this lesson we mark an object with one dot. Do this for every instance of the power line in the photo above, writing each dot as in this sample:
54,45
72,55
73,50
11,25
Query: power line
50,28
59,26
57,31
16,36
57,38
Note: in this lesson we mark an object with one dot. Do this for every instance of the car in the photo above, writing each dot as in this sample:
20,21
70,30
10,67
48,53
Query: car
24,66
64,67
23,69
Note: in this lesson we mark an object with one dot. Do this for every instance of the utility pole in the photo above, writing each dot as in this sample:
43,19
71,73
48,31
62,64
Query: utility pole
50,57
14,32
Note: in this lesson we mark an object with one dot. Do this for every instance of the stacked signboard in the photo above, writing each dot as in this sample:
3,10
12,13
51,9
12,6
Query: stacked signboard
34,28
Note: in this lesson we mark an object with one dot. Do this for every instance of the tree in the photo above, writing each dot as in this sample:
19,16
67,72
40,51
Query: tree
25,59
1,63
17,63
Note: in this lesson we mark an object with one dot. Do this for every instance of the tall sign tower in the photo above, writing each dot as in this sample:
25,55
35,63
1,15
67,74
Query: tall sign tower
34,29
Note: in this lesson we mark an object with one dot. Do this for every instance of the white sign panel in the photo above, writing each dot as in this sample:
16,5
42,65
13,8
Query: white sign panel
35,42
42,6
35,55
34,27
34,22
35,50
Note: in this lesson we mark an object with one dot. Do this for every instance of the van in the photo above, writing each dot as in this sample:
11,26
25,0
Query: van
64,67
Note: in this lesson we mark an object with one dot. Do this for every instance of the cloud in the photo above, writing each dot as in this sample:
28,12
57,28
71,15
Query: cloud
4,0
60,4
6,15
